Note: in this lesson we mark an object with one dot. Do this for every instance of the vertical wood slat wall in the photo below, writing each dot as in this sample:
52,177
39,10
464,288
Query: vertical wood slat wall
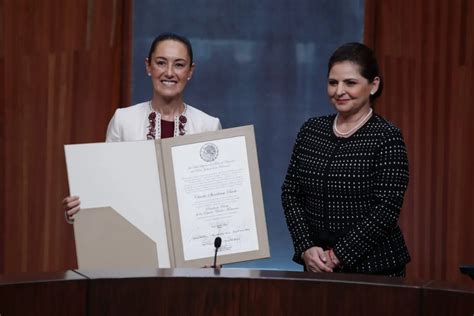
426,52
64,68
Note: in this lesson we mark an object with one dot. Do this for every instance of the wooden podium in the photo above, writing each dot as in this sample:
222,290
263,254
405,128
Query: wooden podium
227,292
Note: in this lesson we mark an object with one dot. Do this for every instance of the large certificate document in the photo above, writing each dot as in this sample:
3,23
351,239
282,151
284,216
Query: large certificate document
214,185
181,195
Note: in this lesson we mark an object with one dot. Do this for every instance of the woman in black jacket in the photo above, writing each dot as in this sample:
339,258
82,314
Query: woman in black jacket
347,177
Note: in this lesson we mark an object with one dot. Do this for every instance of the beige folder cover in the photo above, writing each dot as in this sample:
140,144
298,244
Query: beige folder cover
125,177
105,239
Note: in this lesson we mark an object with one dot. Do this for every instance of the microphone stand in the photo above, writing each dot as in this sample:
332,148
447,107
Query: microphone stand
217,244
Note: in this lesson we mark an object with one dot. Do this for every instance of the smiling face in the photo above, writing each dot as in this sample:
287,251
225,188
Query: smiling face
348,90
170,69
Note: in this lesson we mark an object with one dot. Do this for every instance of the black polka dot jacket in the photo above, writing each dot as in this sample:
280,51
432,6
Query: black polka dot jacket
346,194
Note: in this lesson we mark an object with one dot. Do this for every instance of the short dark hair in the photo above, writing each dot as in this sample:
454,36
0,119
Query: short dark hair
362,56
173,37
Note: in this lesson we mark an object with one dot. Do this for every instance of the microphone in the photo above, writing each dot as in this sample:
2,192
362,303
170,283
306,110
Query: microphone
217,244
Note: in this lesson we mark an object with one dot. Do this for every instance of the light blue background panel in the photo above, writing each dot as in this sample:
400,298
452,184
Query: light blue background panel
257,62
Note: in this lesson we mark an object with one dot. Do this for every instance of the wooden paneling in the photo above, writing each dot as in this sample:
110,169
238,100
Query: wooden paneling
425,48
64,69
443,299
173,296
326,297
227,292
2,139
248,292
43,294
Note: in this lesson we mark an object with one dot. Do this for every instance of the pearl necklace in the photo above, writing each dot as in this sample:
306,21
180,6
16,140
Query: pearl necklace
154,127
352,130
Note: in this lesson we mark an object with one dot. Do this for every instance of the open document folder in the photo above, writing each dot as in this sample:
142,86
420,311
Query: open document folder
162,203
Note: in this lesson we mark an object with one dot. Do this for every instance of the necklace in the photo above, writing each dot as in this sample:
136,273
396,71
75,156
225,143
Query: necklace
352,130
154,123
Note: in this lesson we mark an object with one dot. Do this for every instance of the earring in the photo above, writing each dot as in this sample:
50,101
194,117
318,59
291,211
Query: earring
189,78
149,74
372,92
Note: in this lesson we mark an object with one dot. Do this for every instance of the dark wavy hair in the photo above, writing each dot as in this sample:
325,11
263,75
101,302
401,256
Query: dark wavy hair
173,37
362,56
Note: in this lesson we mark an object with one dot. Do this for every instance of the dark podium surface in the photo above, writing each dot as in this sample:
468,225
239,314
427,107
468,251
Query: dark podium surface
43,294
227,292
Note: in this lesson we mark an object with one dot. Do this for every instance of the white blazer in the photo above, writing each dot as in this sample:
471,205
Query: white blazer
131,123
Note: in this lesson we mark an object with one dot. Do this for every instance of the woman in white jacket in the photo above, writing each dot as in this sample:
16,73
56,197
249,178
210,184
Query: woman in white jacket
170,66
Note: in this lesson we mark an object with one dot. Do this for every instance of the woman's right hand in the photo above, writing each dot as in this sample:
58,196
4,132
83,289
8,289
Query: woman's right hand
71,205
316,260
